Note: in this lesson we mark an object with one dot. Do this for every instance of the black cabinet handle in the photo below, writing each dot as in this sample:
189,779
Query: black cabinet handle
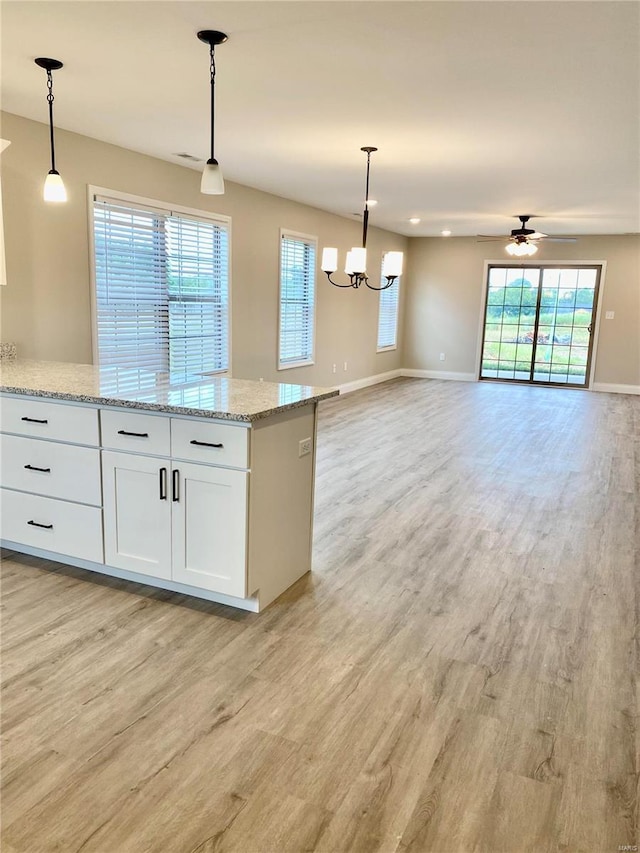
33,468
163,484
175,485
35,421
205,443
135,434
44,526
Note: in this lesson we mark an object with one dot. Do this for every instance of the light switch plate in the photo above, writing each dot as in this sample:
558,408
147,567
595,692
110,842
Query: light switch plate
609,315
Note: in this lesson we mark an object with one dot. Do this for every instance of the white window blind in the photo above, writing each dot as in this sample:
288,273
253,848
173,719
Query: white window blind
388,315
162,289
297,299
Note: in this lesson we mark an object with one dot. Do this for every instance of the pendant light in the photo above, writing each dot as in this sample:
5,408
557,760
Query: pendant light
356,261
212,180
54,189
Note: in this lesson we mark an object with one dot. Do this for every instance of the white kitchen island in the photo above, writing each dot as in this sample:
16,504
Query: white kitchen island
204,487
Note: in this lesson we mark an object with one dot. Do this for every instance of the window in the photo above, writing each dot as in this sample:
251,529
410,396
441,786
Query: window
388,316
297,299
161,289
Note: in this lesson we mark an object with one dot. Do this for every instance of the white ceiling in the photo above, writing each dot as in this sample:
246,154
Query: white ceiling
480,110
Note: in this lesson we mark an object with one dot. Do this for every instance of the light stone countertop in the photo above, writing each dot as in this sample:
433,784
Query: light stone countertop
203,396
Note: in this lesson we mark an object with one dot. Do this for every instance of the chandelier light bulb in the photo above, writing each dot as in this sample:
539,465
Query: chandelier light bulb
358,260
392,264
329,260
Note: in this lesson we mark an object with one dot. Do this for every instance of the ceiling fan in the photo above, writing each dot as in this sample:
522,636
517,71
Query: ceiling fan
523,240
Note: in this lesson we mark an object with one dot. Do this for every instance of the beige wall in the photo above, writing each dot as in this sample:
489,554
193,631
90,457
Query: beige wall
444,301
46,306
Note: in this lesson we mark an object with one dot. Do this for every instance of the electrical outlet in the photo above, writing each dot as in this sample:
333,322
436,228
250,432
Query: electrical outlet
441,356
335,368
345,365
304,447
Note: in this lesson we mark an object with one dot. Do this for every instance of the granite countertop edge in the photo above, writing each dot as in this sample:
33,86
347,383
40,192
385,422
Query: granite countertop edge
243,417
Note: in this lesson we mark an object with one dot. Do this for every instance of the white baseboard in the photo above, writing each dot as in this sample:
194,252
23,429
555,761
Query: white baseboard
438,374
416,373
357,384
615,389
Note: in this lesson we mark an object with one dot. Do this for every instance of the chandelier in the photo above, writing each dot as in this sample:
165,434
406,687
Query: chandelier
356,260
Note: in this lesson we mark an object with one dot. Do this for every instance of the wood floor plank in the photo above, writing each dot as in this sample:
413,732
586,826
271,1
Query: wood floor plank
459,673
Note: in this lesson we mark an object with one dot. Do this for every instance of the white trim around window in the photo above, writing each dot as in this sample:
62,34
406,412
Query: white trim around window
296,300
388,315
185,255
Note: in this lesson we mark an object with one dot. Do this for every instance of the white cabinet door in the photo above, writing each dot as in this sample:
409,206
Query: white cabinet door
137,513
209,524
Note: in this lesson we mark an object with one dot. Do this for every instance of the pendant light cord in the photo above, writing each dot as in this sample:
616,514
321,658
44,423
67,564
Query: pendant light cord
50,101
213,106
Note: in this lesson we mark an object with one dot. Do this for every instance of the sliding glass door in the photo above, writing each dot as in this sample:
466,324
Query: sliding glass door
538,324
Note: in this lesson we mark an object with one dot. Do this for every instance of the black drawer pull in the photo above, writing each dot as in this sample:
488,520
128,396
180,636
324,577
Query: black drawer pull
135,434
33,468
175,485
35,421
205,443
44,526
163,484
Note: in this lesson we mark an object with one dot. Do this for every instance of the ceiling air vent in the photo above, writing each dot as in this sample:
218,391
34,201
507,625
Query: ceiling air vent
186,156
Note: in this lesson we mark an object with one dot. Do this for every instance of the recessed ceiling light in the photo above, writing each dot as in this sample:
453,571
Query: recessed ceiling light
414,220
446,233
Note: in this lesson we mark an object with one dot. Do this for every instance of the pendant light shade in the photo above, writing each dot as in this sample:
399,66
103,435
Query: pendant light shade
212,181
54,189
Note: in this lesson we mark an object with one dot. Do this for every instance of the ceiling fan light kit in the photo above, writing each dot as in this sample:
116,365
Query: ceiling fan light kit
522,249
212,180
356,260
54,189
523,241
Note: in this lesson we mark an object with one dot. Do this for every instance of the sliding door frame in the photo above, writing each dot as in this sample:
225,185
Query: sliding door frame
597,315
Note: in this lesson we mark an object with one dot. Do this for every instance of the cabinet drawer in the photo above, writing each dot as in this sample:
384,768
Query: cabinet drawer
54,525
135,432
48,468
42,419
216,444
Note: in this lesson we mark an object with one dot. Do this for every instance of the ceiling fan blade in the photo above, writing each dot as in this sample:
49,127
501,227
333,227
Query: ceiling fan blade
493,237
537,235
492,240
560,239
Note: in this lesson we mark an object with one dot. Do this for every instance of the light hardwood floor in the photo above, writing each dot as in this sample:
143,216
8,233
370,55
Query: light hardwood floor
457,674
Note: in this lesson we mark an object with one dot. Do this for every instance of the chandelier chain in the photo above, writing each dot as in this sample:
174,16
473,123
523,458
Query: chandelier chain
50,86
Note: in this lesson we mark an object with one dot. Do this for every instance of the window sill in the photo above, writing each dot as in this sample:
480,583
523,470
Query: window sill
386,349
295,364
